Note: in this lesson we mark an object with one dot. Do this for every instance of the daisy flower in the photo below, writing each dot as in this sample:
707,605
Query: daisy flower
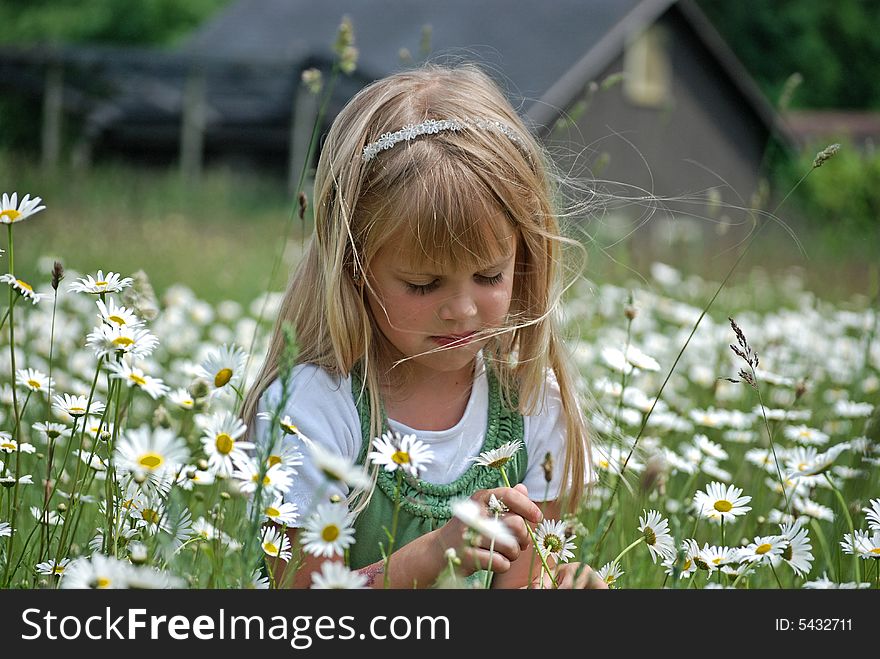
222,444
284,452
115,340
873,514
407,453
111,283
111,314
498,457
824,583
796,551
274,544
50,517
12,211
156,454
283,514
610,573
335,576
5,529
640,360
132,376
720,502
616,360
712,558
33,380
339,469
470,512
655,530
182,398
23,288
276,479
764,548
805,435
552,541
9,445
709,448
97,572
50,567
145,577
329,531
224,367
51,431
862,543
691,551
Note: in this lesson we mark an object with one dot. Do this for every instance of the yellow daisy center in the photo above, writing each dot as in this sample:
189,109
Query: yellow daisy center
289,428
875,550
499,462
101,582
787,553
122,341
7,446
687,565
272,512
330,533
100,283
650,536
119,320
24,284
151,460
552,542
400,457
224,443
763,549
604,464
716,560
11,213
723,506
150,515
76,411
57,569
224,375
273,460
137,379
35,384
271,548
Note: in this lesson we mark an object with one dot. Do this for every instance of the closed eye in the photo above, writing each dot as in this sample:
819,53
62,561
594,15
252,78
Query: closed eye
424,289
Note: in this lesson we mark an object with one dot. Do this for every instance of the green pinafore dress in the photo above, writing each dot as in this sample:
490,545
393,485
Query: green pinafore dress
426,506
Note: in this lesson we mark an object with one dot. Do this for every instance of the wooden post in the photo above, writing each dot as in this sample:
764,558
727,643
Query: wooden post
304,112
192,128
52,115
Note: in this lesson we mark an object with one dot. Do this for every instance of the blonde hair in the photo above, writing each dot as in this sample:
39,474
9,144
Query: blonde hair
442,193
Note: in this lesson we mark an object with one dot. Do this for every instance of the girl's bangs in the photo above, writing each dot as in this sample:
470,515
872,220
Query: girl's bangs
452,218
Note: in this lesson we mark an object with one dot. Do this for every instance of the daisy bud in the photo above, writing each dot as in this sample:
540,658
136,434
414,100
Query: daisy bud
161,418
630,312
225,496
138,553
303,205
199,389
202,464
61,507
140,478
57,274
39,456
335,498
547,465
105,436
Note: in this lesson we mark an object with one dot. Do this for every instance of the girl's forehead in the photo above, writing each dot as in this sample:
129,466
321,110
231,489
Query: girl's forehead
479,244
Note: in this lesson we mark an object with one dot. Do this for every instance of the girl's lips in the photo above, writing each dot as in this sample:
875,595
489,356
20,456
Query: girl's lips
457,339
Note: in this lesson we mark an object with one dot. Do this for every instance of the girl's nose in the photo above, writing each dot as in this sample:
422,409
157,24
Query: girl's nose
458,307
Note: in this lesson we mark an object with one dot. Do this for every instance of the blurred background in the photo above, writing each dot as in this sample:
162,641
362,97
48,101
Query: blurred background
173,136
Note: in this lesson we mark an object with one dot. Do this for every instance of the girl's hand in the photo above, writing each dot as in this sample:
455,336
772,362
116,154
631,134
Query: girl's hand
571,576
477,557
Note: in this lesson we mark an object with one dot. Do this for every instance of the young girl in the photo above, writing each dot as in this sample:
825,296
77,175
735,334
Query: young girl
426,305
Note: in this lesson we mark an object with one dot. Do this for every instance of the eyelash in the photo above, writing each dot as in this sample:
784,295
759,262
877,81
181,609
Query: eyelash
424,289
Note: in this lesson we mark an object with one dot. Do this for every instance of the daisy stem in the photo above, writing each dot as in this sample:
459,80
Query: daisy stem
532,536
775,574
722,530
820,536
12,504
50,440
624,552
491,551
852,531
387,578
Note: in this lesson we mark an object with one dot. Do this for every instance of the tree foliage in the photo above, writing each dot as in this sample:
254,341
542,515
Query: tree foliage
119,22
833,45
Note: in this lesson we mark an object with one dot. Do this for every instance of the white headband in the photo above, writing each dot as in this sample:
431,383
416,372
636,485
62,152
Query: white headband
433,126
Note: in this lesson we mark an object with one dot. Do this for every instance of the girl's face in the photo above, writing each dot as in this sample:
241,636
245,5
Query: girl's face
431,313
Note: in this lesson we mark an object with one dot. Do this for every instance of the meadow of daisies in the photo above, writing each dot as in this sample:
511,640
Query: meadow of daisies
124,463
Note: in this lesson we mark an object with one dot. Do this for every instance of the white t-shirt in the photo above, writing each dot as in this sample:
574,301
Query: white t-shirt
323,408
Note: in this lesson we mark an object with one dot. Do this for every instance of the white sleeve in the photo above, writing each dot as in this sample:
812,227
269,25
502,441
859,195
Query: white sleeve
544,433
322,407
